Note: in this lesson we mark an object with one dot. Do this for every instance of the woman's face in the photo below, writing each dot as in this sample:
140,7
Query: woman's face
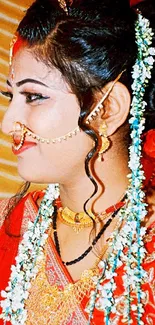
42,100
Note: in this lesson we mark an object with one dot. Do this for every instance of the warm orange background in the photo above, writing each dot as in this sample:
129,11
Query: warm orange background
11,11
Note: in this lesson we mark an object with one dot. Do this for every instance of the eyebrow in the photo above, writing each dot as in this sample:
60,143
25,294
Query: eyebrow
24,81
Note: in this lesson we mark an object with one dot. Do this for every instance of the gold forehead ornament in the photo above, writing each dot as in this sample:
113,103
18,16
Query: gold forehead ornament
12,43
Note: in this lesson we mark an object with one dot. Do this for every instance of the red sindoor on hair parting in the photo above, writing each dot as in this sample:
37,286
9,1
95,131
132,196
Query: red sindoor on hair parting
135,2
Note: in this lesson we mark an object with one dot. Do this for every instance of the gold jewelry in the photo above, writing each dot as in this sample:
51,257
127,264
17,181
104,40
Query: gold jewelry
55,306
13,41
19,132
95,112
24,130
12,74
105,141
63,5
46,140
79,221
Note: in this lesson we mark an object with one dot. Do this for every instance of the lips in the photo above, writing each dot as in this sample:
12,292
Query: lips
27,145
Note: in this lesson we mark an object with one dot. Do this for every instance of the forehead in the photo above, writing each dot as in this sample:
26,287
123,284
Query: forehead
26,65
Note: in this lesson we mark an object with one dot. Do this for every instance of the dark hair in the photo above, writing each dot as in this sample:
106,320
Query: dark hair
90,47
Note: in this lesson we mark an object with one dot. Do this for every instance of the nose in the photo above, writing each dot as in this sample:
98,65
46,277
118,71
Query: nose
6,124
12,115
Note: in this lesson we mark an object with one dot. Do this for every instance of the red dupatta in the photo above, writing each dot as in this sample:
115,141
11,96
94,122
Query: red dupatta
8,244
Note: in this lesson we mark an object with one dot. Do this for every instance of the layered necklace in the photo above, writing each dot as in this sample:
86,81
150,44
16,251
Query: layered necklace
32,252
61,303
114,209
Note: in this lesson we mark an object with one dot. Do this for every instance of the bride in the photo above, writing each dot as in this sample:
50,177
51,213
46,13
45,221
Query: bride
81,117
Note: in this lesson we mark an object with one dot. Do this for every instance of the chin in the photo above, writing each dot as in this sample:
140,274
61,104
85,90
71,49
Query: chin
34,175
29,175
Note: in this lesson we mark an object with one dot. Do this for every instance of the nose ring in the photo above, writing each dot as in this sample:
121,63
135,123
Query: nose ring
18,135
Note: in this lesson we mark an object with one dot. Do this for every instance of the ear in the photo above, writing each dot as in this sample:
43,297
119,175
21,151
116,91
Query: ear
116,107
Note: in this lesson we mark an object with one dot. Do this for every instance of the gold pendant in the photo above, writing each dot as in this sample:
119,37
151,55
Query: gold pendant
77,228
77,221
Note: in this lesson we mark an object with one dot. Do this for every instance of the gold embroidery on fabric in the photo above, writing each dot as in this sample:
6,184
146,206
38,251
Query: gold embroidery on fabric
149,320
49,304
150,258
151,280
115,321
3,206
148,237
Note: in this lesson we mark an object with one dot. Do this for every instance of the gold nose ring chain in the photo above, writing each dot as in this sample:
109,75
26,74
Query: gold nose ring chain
21,129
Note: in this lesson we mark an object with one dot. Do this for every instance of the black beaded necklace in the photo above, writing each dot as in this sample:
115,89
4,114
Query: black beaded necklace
94,242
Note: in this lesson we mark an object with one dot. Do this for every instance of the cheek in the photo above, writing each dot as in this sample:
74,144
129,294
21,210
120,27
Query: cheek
56,162
56,119
69,152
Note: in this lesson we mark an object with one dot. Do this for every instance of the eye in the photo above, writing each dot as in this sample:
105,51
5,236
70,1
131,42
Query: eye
33,97
7,94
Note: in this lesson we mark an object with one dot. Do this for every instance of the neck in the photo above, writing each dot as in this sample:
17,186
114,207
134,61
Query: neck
112,171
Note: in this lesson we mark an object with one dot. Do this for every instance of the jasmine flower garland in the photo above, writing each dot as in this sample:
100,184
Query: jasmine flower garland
131,234
30,250
137,208
102,297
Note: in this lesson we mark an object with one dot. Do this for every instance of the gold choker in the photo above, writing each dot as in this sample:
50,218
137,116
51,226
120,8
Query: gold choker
81,220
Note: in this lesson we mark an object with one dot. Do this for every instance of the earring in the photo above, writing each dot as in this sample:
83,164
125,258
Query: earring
105,141
18,135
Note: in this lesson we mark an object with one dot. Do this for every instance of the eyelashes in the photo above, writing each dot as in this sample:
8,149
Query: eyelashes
29,97
7,94
32,97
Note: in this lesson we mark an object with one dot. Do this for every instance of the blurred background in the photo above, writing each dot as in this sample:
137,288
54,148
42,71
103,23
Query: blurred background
11,11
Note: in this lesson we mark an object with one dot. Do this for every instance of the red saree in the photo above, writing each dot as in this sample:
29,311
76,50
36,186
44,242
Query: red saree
56,272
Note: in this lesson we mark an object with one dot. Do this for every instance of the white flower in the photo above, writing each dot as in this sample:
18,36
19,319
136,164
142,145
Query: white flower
152,51
101,264
103,303
30,248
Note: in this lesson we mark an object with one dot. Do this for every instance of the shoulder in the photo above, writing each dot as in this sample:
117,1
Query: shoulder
3,206
24,210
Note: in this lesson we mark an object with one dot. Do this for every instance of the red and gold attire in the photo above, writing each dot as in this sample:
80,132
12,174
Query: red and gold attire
54,274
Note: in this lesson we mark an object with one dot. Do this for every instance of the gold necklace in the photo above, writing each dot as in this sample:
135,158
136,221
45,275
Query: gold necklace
56,305
81,220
